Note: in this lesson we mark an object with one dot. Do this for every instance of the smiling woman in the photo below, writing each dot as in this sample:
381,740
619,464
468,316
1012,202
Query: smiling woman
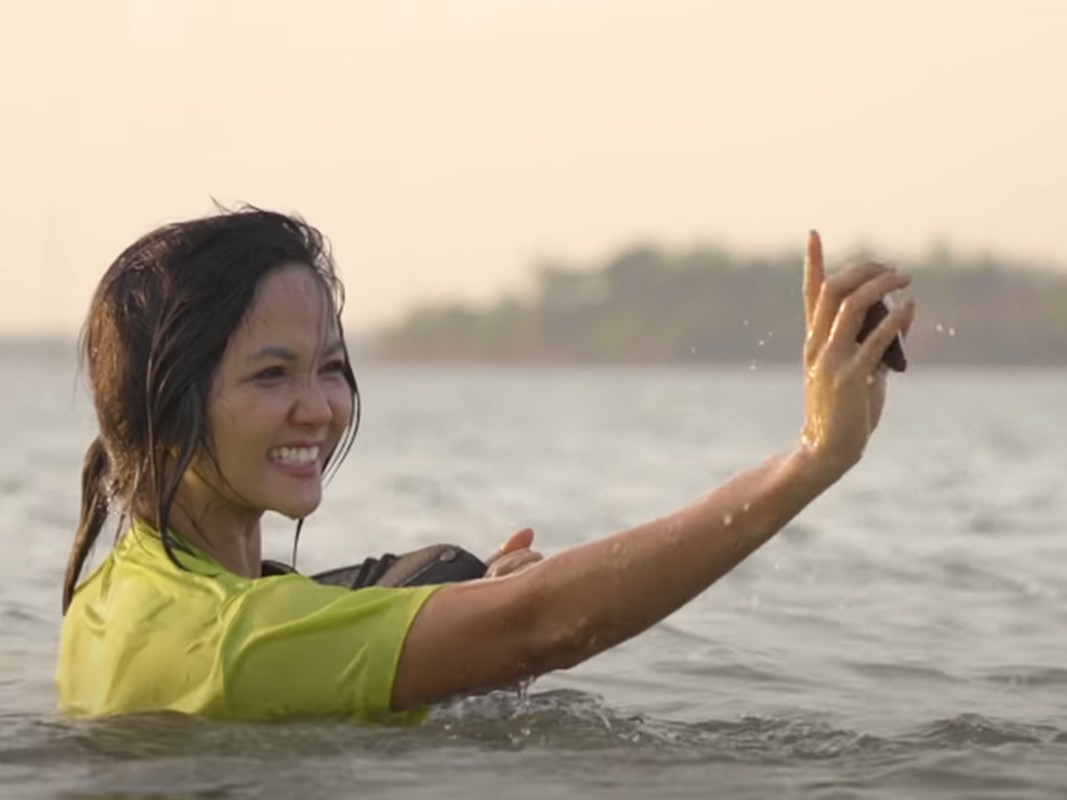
223,390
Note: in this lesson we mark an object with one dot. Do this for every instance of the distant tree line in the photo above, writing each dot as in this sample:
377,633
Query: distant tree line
648,304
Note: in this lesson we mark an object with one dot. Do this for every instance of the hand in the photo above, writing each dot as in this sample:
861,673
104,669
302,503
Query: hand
514,555
844,387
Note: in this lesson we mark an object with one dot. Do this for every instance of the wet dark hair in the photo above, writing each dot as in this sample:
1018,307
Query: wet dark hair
157,328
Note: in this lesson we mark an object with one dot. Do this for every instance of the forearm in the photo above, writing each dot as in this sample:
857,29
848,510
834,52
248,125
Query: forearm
589,598
596,595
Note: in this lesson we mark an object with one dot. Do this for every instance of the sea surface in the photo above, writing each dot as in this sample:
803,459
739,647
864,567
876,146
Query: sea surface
903,638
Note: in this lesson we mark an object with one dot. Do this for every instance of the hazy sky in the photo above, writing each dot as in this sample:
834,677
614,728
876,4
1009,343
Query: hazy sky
445,146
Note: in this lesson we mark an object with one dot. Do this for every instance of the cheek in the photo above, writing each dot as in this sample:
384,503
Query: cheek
341,403
225,434
240,422
222,416
221,419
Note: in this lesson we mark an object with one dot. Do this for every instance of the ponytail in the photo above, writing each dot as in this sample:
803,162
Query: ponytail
94,512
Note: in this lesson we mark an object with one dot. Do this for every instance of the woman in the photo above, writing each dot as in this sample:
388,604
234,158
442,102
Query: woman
223,389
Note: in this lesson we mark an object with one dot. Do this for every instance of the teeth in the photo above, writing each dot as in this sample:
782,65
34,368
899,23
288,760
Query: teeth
295,455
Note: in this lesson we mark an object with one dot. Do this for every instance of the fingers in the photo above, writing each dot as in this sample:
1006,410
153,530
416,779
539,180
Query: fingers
511,563
814,275
898,322
522,540
907,325
853,309
837,292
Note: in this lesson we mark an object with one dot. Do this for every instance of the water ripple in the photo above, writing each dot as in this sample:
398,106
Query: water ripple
903,672
1028,676
974,729
511,733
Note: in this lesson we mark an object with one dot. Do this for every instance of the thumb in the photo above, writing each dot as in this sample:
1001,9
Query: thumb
517,541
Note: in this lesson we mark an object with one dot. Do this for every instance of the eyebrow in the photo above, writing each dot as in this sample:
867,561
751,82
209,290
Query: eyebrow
285,354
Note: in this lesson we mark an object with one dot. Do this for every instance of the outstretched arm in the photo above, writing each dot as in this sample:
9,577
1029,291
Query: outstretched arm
586,599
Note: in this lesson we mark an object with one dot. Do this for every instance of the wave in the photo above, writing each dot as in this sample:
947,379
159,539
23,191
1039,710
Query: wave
554,743
558,720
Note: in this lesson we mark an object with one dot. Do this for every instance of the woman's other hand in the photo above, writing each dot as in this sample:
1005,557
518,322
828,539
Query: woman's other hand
514,555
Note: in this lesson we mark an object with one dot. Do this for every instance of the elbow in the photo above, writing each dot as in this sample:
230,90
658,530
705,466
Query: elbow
571,645
557,636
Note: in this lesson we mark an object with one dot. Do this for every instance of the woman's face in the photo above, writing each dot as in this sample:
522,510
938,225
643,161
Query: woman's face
280,403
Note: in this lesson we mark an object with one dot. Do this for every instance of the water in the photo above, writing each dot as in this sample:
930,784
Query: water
902,639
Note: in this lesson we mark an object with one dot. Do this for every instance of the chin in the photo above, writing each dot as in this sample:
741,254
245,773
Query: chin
296,508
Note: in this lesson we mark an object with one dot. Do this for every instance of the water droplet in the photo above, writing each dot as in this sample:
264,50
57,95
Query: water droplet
727,519
745,323
693,350
746,506
523,690
770,334
870,380
939,327
951,331
753,366
761,343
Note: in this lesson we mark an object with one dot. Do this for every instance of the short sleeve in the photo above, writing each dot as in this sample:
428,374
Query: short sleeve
290,647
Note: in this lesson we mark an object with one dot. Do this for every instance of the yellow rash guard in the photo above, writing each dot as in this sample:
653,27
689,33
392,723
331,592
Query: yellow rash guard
142,635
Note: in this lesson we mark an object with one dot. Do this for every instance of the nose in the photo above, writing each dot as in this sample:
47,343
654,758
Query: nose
312,405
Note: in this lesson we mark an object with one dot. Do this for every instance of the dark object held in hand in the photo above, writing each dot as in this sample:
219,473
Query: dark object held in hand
893,357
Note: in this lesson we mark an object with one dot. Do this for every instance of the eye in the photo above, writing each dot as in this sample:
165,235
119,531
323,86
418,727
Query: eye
334,367
270,374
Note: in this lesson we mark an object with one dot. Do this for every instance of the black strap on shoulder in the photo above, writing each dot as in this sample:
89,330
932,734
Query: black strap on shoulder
270,568
439,563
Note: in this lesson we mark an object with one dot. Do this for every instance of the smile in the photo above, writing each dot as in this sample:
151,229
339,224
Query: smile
296,456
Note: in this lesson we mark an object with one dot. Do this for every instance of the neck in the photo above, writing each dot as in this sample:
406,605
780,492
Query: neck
232,538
